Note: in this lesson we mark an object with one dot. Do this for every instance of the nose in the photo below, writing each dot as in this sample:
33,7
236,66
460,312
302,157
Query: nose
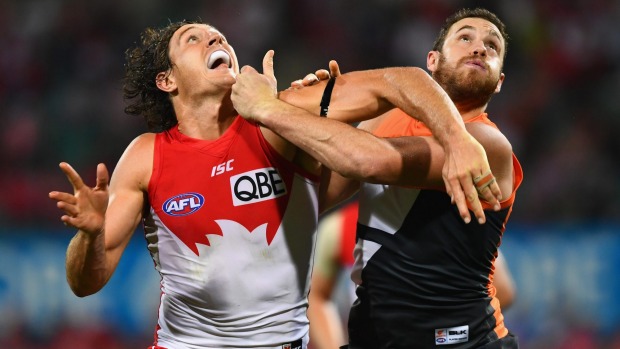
479,49
216,39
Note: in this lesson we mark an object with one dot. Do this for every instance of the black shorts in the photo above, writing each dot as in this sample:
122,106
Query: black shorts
368,330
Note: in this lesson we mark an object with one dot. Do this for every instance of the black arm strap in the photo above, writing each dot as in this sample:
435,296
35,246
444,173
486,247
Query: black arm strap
327,96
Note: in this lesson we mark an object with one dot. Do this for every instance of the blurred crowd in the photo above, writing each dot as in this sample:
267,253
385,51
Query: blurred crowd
62,68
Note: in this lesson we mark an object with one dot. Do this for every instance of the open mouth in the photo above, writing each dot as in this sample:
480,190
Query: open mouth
218,58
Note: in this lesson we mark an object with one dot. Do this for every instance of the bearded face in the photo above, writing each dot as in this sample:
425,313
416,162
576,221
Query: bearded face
473,87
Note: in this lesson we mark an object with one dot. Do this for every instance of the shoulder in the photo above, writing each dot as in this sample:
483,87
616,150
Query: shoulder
491,138
143,142
136,163
141,147
499,153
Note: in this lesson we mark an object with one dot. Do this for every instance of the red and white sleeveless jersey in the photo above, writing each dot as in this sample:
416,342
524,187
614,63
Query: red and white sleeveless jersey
230,230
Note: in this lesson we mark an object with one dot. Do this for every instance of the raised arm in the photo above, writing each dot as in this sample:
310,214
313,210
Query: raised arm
370,93
105,216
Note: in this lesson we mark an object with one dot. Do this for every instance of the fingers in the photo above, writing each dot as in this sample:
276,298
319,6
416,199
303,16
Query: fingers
487,195
476,205
64,197
73,177
310,80
67,203
488,189
72,220
322,74
103,177
334,69
458,197
69,209
496,192
268,64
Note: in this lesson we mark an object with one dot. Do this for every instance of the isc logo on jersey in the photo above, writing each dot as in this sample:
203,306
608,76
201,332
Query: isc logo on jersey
256,186
183,204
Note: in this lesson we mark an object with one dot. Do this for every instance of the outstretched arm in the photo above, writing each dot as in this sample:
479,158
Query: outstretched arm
361,95
105,216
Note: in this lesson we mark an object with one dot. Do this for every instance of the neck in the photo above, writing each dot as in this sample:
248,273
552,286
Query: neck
467,111
207,119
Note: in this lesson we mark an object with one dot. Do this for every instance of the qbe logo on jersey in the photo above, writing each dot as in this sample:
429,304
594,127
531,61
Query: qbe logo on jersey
256,186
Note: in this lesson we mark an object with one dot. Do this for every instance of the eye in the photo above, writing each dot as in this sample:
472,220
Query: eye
465,38
192,38
492,46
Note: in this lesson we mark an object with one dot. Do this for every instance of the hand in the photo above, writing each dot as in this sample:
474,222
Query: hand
464,170
254,93
85,208
319,75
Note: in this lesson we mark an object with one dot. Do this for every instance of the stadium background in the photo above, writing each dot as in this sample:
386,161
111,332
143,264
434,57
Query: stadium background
60,100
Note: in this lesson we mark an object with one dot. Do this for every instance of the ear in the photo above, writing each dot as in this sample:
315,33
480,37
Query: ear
432,60
165,81
500,82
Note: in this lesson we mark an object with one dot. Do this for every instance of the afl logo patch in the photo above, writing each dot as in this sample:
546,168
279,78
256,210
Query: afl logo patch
183,204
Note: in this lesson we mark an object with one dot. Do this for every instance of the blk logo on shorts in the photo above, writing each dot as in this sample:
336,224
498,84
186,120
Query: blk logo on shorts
452,335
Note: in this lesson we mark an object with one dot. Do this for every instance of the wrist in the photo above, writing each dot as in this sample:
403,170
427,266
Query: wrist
91,234
268,111
456,136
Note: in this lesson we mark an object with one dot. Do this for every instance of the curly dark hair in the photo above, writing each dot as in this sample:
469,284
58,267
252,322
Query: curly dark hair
471,13
143,63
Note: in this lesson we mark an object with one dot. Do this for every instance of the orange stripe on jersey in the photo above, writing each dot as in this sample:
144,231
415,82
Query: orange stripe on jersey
500,328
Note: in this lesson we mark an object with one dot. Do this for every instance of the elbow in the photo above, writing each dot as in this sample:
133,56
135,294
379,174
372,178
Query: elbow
82,290
368,172
81,293
366,168
506,298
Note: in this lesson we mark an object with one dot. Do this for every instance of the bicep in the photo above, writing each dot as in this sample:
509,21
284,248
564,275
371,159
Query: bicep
127,197
122,218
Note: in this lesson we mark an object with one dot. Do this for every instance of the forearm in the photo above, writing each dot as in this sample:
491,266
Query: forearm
363,95
418,95
86,266
339,146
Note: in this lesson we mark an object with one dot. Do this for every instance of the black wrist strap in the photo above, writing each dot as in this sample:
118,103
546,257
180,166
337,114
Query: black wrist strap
327,96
